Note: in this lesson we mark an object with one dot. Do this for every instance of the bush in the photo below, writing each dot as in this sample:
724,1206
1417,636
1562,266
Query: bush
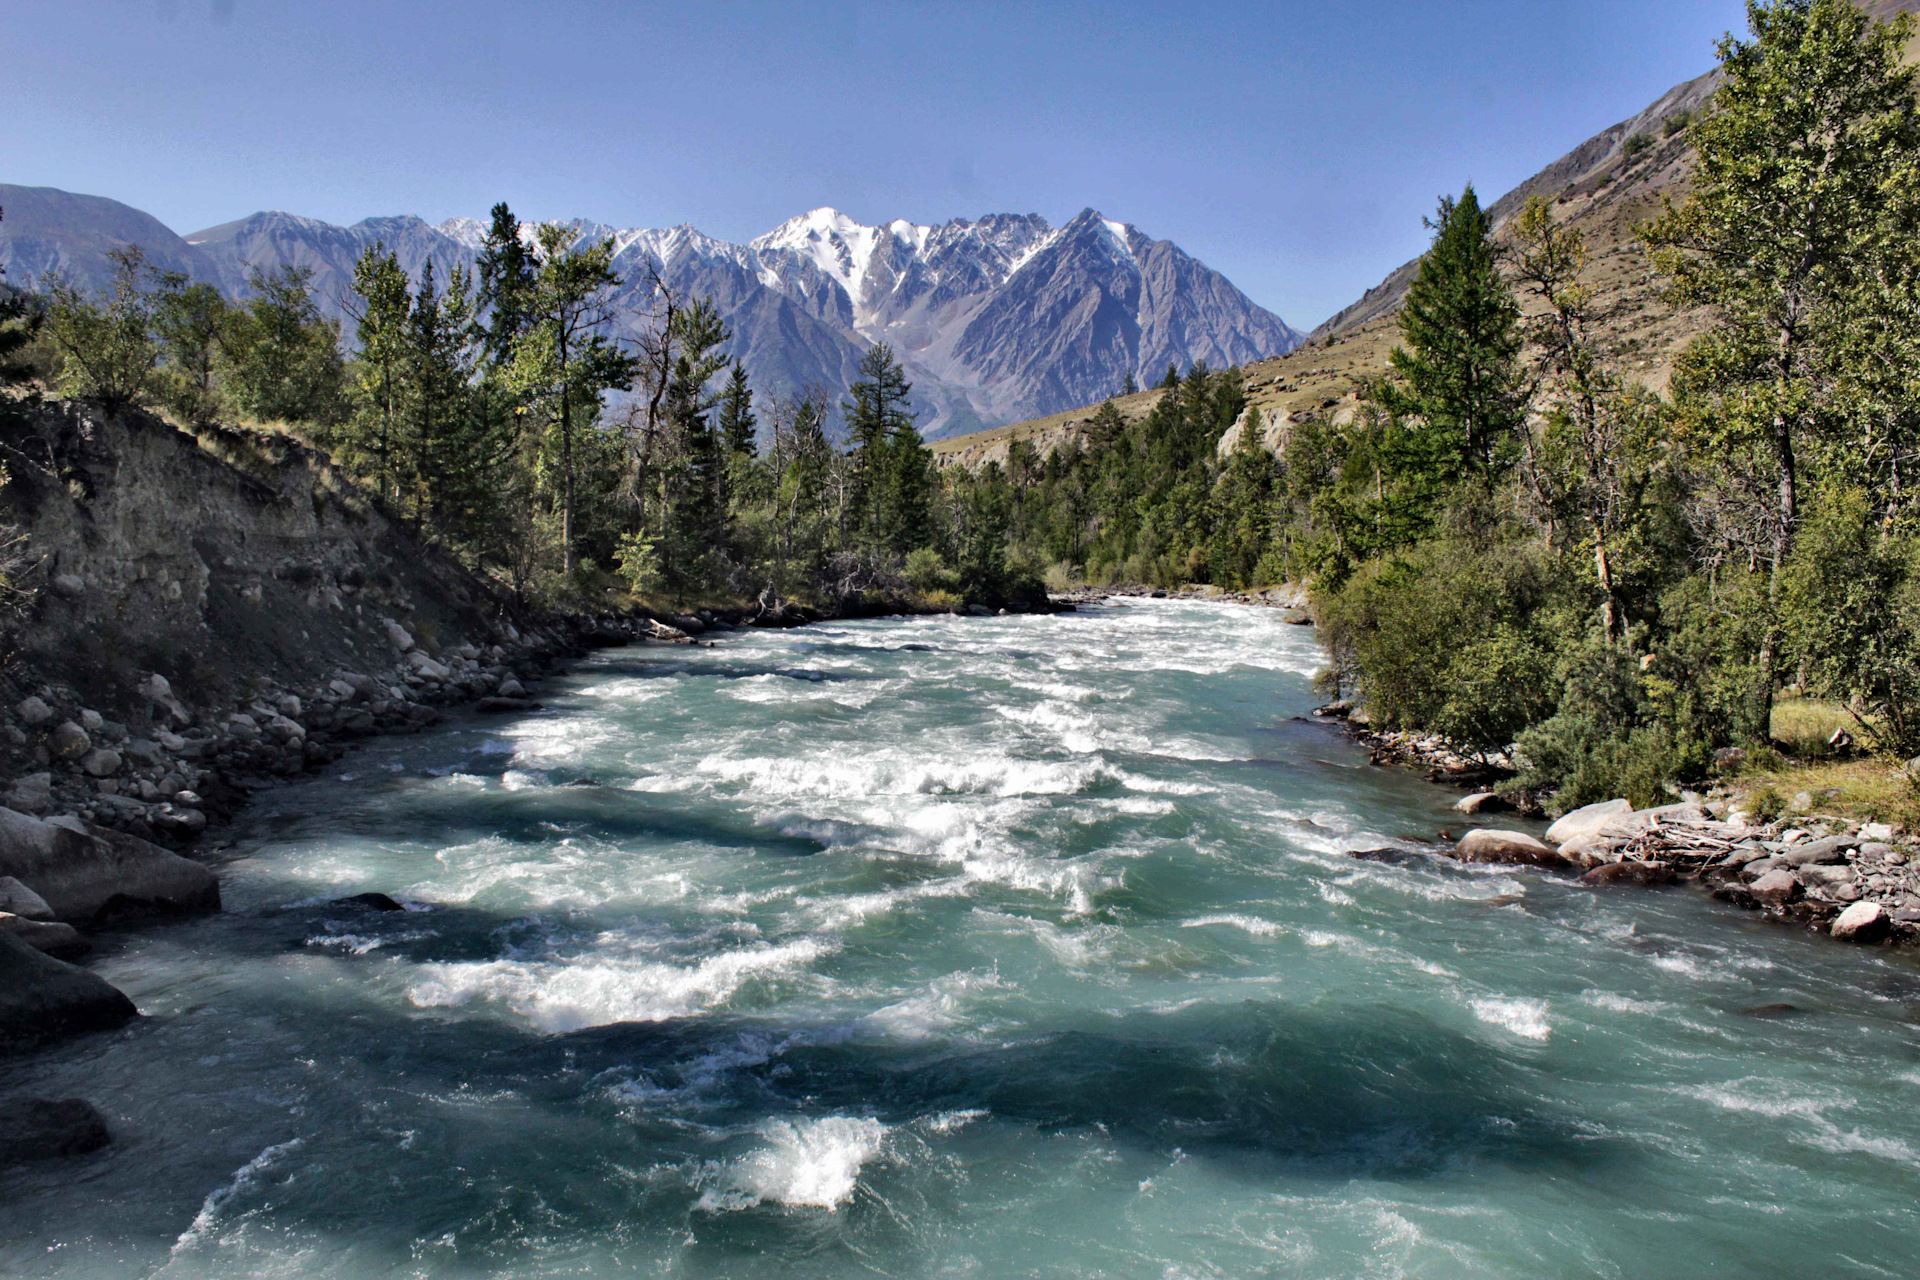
927,573
1454,638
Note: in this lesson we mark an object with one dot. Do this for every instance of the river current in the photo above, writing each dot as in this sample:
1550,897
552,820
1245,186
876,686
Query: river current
1025,946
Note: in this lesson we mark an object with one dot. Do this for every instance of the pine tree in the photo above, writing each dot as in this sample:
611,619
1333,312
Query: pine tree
563,361
1129,387
1458,377
1804,195
380,372
506,269
696,487
1107,426
738,447
875,412
439,366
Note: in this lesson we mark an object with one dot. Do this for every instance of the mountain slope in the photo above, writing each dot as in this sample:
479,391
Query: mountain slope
1596,188
996,319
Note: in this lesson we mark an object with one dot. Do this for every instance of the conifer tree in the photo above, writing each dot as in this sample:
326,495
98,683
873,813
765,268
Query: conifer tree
1458,376
736,426
1129,387
563,361
875,412
380,373
506,269
19,320
439,366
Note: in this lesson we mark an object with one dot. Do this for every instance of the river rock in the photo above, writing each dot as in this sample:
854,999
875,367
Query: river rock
397,635
512,688
1506,846
43,999
1876,831
1862,922
1813,852
499,706
1629,871
68,741
62,941
1483,802
101,763
1776,887
33,711
31,794
21,901
1587,821
81,870
38,1129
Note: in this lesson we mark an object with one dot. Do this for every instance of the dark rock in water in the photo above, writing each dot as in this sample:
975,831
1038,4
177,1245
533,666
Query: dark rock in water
582,782
43,999
917,648
370,901
1628,872
498,705
1389,856
1769,1011
37,1129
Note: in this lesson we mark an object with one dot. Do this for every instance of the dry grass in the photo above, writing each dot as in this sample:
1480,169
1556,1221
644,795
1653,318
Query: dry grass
1861,790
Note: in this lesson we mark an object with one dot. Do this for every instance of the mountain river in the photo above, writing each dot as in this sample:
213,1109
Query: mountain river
1024,946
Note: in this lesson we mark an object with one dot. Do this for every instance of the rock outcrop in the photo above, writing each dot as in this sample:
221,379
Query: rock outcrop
81,872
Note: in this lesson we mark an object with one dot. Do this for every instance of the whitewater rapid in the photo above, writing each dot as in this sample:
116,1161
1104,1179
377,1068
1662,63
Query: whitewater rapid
1013,946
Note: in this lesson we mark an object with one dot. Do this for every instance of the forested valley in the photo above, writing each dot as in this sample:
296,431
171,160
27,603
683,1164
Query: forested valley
1511,543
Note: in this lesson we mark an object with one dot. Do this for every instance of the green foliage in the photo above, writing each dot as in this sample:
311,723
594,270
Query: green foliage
282,356
1635,147
1452,637
107,343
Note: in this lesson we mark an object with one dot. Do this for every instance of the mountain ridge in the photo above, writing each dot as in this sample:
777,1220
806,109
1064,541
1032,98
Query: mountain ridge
972,306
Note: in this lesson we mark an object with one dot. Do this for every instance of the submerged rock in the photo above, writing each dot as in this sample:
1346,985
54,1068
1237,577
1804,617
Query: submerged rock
1506,846
370,901
1629,871
39,1129
1483,802
44,999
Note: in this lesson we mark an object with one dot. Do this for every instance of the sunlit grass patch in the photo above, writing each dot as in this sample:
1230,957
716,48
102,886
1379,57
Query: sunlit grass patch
1804,726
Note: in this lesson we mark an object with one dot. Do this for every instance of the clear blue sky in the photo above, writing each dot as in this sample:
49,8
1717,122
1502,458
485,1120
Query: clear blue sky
1292,145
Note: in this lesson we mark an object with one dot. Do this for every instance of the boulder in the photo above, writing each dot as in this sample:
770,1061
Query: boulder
43,999
33,711
21,901
70,585
1809,853
512,688
1587,821
1506,846
49,936
1862,922
397,635
1776,887
101,763
38,1129
1872,831
68,741
370,901
1629,871
80,870
31,794
1588,850
1483,802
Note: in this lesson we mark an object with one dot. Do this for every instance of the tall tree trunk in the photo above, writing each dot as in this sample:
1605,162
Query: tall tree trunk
566,459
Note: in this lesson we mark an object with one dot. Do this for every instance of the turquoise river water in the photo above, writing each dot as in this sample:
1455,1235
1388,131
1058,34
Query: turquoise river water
958,947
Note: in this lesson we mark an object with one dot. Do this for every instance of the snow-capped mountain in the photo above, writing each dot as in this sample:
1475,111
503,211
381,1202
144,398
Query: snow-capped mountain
997,319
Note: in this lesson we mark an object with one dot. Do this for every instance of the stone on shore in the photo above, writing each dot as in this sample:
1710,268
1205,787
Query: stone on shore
1776,887
68,741
1506,846
1587,821
1862,922
39,1129
43,999
81,870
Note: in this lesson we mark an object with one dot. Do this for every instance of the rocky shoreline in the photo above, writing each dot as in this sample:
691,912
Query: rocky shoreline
1857,882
